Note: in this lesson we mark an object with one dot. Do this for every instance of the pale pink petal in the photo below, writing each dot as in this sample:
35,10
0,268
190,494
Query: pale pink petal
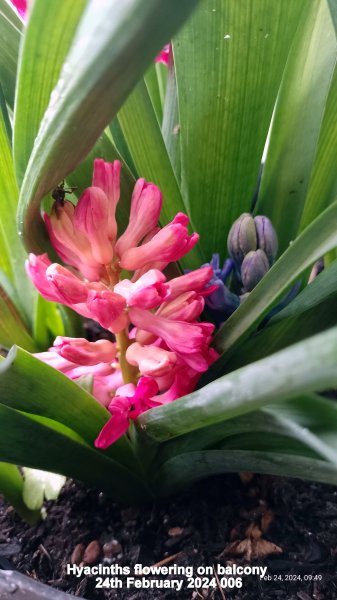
83,352
151,360
169,244
188,340
106,307
53,359
105,386
107,177
146,205
186,307
148,292
91,218
36,267
70,288
194,281
71,245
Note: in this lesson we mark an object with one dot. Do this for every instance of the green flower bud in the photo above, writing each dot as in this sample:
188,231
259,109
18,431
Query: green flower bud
254,266
266,237
242,238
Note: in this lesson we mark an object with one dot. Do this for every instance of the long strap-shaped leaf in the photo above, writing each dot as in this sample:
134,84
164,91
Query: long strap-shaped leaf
50,30
297,121
12,254
40,444
310,420
146,144
313,311
304,367
46,392
183,470
229,61
114,43
314,242
10,34
322,189
12,329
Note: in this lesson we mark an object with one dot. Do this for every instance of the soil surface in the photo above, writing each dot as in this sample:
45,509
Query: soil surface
209,525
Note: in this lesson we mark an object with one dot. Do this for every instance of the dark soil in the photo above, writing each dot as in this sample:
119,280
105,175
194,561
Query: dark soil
192,529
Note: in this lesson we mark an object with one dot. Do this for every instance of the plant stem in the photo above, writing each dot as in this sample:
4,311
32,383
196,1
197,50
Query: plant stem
129,373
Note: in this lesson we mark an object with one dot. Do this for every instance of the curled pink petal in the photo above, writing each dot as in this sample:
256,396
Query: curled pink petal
106,307
146,205
91,218
151,360
70,288
53,359
188,340
186,307
71,245
148,291
82,352
105,386
107,177
36,267
169,244
194,281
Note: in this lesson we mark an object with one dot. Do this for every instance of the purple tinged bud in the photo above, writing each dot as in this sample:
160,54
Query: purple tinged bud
222,299
254,266
266,237
242,238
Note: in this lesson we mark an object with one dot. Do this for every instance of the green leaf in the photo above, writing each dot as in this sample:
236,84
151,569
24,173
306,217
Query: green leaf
47,322
323,189
314,242
5,115
10,36
311,420
252,425
297,121
12,329
12,254
110,51
121,145
151,81
11,485
25,440
312,311
304,367
183,470
333,10
39,486
229,61
171,123
142,132
49,33
46,392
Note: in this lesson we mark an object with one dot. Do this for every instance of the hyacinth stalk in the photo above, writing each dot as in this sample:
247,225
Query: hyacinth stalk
161,348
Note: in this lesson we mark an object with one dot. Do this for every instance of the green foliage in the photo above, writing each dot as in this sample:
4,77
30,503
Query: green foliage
11,485
87,87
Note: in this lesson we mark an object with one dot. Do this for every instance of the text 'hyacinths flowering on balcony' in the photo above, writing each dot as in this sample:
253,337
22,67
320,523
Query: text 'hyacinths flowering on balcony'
160,348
